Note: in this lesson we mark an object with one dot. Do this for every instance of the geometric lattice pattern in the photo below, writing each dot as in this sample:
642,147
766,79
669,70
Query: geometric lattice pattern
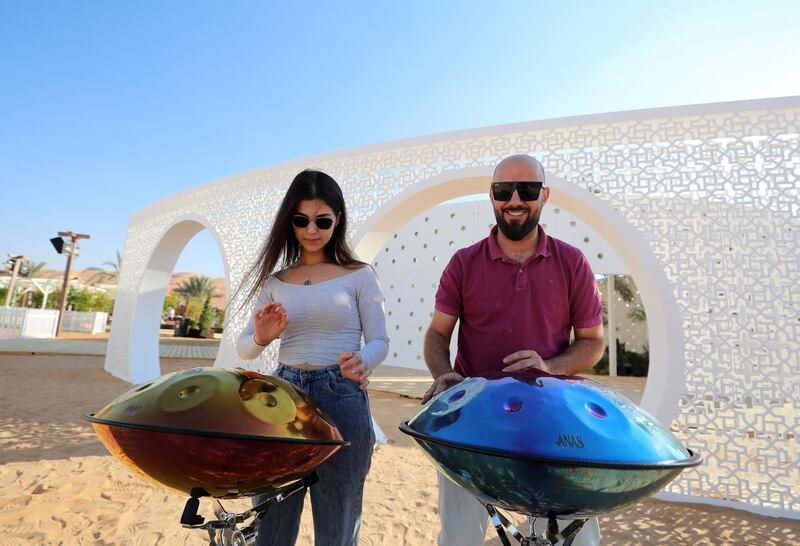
713,189
410,264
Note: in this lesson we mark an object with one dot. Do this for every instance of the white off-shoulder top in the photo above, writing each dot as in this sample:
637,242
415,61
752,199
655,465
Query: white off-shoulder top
325,319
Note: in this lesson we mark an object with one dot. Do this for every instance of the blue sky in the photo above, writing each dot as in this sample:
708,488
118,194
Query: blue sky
106,107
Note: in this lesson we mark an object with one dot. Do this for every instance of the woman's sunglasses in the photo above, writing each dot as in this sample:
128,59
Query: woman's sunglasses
323,222
527,191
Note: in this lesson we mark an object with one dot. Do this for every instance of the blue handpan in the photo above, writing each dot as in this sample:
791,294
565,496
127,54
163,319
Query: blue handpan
547,445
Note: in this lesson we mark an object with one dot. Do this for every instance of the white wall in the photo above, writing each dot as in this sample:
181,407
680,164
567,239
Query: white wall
410,264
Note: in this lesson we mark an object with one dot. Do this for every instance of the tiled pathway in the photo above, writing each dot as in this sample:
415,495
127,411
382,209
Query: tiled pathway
167,348
405,381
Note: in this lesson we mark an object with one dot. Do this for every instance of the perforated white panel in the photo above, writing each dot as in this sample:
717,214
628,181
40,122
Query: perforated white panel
712,190
410,264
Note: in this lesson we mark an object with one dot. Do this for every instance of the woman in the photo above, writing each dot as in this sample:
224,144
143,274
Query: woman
320,304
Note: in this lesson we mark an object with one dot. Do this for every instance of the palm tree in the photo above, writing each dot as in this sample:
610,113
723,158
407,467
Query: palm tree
637,314
116,265
34,268
102,275
623,286
197,287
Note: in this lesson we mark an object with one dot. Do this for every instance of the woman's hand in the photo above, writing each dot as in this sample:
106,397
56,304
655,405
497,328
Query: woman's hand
269,322
354,368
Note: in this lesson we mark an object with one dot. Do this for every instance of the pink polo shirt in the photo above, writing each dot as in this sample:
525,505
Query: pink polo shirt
504,306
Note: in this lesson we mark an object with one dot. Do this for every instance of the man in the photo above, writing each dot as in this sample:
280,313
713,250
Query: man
518,294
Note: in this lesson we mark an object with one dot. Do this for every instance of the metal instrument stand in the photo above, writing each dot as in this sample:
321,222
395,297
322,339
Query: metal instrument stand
550,537
223,531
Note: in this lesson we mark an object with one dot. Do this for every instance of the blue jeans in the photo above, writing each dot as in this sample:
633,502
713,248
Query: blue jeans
336,497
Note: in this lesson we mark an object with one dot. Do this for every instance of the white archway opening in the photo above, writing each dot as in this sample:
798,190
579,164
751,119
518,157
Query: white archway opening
145,326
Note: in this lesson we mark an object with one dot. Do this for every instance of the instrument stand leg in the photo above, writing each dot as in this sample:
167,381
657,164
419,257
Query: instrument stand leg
498,523
550,537
189,516
567,534
284,492
223,531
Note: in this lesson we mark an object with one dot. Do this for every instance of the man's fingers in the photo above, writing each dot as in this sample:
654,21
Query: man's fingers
441,384
519,355
520,365
439,387
429,393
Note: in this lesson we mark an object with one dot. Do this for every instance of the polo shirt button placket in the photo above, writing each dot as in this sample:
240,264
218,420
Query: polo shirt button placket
522,281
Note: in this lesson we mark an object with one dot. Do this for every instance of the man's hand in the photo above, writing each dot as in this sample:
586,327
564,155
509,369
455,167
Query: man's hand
525,359
354,369
441,384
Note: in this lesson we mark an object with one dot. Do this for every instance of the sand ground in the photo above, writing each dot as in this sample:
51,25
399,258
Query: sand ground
58,485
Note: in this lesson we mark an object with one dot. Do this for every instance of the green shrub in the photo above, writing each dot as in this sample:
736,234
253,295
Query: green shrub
194,307
171,301
629,363
206,316
85,300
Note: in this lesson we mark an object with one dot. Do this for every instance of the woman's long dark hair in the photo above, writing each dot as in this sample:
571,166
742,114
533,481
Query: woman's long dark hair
282,245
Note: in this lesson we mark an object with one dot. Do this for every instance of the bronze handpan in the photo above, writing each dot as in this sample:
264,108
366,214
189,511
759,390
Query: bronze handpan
214,431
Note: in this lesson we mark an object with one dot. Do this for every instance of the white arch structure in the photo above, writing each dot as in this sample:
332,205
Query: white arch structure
700,202
666,372
155,277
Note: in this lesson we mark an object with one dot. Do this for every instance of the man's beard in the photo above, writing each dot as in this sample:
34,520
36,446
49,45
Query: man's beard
516,231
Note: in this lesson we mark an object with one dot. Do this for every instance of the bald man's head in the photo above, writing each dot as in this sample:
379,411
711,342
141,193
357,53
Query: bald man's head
517,219
518,167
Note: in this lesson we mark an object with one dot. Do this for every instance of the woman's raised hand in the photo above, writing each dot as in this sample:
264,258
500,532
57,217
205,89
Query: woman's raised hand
354,368
269,322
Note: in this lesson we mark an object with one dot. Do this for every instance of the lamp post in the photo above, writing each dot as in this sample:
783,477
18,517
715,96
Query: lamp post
14,263
71,249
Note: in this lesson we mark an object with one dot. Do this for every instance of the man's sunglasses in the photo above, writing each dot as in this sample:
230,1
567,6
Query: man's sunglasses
323,222
527,191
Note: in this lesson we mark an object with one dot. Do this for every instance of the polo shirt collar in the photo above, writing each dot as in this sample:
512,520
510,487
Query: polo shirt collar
542,246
